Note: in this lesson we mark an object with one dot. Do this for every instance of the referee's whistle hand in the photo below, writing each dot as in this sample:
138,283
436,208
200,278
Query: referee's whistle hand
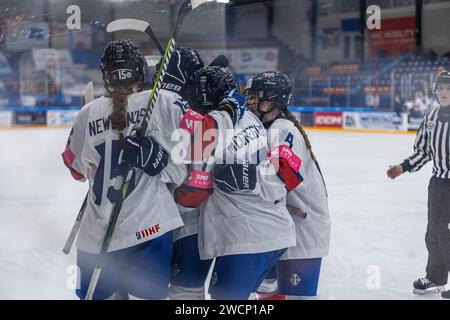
394,171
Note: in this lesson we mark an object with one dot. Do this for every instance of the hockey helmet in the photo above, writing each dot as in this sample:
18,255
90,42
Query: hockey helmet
122,64
210,85
271,86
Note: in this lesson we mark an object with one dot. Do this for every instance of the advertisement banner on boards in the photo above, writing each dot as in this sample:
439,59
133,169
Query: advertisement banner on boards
61,117
328,119
375,121
6,118
30,117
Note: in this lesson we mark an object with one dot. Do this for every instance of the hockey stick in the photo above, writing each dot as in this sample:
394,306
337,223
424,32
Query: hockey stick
89,92
140,25
186,7
88,96
220,61
137,25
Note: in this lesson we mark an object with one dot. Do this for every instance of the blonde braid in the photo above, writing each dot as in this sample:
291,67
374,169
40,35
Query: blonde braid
120,105
297,124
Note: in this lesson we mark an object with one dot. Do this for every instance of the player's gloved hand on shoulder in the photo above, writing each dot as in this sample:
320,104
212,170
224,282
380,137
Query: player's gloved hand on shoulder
146,154
182,65
235,104
235,177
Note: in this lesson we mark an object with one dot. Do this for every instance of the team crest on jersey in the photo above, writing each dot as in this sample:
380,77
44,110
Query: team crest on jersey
295,279
430,126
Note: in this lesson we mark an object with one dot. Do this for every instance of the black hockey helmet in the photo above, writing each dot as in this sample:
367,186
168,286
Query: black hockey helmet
122,64
442,77
271,86
209,87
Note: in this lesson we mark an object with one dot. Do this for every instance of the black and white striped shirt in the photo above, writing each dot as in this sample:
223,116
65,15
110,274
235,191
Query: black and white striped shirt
432,143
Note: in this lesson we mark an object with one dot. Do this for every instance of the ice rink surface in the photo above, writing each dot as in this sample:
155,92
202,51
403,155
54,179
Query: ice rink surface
378,225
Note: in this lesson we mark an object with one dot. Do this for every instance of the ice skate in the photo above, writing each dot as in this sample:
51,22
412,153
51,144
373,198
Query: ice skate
425,286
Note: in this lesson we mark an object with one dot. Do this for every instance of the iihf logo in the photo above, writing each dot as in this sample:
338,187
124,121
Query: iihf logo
295,279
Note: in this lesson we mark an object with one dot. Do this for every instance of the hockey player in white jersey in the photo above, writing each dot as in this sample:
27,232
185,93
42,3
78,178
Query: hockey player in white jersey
165,121
298,270
244,223
137,264
189,272
173,101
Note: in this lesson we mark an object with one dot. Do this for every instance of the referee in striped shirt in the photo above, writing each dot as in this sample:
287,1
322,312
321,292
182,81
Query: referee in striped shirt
433,144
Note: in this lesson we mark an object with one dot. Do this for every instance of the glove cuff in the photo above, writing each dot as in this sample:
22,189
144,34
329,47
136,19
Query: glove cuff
284,152
200,179
230,110
406,166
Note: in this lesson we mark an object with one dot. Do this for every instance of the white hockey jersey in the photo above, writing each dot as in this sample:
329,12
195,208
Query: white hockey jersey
313,232
245,222
93,151
163,125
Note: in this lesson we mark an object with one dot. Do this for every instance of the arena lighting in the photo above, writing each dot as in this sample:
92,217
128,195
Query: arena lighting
219,1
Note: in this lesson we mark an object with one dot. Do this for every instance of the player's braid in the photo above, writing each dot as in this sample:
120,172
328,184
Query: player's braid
120,103
292,118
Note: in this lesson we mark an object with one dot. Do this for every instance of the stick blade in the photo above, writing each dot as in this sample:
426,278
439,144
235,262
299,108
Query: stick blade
220,61
89,92
196,3
152,60
126,24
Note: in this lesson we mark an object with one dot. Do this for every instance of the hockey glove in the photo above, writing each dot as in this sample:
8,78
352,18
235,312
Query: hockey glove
195,190
287,164
235,105
235,177
182,65
146,154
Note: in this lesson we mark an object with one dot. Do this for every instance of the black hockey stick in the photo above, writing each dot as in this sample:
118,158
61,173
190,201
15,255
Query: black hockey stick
88,96
220,61
137,25
76,227
186,7
142,26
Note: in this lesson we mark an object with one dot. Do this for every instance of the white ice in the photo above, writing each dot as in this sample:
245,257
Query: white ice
378,225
